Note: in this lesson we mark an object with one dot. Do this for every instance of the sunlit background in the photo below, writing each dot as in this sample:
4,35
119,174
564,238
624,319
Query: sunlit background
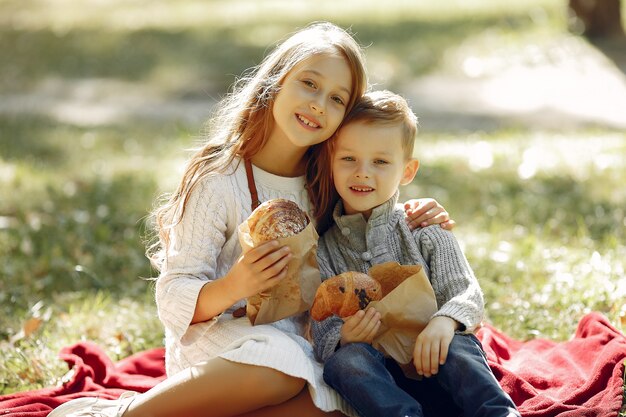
522,138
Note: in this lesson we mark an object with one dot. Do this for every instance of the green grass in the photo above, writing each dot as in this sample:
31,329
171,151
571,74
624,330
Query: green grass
540,213
548,248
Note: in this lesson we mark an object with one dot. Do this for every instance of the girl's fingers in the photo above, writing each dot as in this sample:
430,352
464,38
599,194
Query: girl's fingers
433,219
274,280
276,268
448,225
422,208
425,212
260,251
272,258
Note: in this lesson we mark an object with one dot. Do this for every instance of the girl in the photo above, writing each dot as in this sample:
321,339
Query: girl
262,145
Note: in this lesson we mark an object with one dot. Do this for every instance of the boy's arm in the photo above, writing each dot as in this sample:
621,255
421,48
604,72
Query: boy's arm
431,346
326,335
334,332
457,291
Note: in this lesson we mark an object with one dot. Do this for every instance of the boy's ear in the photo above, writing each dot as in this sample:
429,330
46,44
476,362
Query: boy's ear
410,169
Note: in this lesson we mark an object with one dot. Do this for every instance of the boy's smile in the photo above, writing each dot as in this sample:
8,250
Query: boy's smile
369,164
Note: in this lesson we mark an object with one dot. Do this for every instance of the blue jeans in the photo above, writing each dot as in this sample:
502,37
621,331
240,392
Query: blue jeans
376,386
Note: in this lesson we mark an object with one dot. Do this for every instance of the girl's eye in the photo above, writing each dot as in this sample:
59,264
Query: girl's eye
338,100
347,158
309,83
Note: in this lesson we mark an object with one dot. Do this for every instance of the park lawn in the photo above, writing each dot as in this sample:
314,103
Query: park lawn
546,249
540,213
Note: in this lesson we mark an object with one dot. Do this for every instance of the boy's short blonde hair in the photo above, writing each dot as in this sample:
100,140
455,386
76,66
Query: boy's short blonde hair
386,108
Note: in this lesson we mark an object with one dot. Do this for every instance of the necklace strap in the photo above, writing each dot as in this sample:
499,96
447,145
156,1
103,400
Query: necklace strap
241,311
252,185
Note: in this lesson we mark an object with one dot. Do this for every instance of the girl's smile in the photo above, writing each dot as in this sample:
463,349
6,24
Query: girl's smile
308,122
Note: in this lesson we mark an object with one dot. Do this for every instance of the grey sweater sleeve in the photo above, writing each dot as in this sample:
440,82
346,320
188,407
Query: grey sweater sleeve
326,336
327,333
456,288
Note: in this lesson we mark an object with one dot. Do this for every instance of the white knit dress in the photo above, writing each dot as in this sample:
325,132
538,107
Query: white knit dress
203,247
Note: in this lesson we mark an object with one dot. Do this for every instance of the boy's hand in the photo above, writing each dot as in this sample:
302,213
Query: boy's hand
431,346
360,327
423,212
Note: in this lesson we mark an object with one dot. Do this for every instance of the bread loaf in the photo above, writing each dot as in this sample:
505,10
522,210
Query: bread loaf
275,219
344,295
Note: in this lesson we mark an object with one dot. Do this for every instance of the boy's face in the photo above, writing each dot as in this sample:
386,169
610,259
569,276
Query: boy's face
369,164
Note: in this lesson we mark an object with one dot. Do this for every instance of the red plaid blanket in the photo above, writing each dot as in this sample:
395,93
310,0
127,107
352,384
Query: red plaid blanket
582,377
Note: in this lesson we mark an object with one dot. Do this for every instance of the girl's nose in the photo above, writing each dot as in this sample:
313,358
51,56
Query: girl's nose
317,107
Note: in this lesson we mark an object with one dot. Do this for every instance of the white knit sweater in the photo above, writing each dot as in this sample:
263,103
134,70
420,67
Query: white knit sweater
204,246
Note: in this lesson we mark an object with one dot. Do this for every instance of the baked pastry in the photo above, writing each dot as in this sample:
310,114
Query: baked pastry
391,274
344,295
275,219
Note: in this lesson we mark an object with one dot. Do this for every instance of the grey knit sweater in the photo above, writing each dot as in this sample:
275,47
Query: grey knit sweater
352,244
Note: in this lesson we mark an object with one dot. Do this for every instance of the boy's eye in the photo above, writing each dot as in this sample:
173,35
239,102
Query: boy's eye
380,162
309,83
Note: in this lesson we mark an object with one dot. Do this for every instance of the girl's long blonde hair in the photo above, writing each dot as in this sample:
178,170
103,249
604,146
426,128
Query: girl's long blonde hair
242,121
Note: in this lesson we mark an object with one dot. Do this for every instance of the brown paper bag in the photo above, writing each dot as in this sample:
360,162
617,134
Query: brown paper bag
293,294
405,311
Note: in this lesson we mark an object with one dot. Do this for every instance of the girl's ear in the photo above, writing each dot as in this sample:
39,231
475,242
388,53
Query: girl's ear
410,169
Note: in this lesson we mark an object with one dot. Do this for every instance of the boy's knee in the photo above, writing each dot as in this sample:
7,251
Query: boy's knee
464,354
465,345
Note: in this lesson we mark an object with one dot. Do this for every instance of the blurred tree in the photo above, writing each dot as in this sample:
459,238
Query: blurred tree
596,18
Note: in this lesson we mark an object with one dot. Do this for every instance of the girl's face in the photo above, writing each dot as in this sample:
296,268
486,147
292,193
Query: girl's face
312,100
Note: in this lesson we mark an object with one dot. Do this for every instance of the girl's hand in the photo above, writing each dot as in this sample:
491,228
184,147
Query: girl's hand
423,212
431,346
258,269
360,327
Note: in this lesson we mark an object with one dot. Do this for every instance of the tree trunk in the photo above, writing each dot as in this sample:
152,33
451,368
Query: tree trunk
596,18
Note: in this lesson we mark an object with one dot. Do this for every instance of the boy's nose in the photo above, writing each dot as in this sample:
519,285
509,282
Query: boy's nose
361,172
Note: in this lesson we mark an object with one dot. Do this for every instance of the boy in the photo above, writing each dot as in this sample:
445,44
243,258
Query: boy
371,156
